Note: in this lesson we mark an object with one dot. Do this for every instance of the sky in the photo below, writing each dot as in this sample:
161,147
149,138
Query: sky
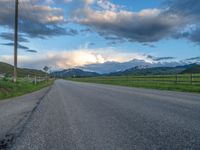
83,33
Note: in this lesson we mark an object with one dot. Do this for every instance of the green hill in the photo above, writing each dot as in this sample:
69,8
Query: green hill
22,72
74,73
194,69
153,71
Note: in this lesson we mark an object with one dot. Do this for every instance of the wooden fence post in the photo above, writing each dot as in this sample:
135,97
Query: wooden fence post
176,78
191,78
35,80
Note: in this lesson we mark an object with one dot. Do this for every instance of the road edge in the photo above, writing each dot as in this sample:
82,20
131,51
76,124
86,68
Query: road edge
10,138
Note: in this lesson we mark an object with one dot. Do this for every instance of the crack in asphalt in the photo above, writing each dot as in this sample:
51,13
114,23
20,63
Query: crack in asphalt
9,139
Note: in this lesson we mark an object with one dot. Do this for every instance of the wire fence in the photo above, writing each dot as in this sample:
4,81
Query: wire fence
192,79
173,79
31,79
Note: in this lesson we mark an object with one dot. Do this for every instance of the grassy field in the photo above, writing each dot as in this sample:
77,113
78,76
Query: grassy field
9,89
187,83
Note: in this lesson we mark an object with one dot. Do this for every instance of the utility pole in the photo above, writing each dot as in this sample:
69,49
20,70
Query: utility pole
16,40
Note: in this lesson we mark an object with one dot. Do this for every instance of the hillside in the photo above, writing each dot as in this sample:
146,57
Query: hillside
194,69
74,73
153,71
22,72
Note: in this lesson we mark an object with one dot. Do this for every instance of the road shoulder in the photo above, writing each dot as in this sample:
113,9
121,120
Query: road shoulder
14,114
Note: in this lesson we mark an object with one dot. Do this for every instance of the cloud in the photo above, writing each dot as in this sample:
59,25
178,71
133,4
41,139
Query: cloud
186,7
160,58
97,60
194,35
191,10
36,18
20,47
75,58
44,18
147,25
10,37
193,60
31,51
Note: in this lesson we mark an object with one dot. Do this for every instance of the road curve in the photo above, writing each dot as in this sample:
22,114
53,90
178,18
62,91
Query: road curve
85,116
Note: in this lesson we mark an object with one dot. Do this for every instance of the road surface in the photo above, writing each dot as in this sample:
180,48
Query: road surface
85,116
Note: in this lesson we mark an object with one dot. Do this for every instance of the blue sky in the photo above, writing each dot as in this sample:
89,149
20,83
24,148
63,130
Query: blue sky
75,33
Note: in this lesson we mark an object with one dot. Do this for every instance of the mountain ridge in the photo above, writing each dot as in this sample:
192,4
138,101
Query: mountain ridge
153,70
74,72
7,69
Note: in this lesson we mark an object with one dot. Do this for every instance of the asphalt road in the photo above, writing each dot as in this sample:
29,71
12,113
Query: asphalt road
84,116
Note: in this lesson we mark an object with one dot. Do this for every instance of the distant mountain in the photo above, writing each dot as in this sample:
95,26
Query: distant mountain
193,69
74,73
153,71
22,72
113,66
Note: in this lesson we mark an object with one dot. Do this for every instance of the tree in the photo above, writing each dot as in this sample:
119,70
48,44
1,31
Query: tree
46,69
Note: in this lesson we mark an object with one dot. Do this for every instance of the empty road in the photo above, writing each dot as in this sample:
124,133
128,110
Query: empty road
84,116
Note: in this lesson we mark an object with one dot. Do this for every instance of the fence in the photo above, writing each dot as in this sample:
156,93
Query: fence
34,79
173,79
31,79
193,79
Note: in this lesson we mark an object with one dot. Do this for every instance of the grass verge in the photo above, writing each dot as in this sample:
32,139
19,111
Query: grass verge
130,82
9,89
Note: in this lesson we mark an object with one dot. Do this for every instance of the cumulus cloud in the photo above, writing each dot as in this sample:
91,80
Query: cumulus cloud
191,10
36,18
43,18
147,25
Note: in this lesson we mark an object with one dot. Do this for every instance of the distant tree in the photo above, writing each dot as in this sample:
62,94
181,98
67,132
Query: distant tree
46,69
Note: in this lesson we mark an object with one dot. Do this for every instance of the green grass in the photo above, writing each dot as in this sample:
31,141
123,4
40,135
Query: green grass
9,89
167,82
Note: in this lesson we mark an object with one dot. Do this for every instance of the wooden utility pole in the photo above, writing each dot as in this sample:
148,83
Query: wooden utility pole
16,40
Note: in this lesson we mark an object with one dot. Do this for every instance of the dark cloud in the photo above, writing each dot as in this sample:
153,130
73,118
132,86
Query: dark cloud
91,44
149,45
112,38
159,58
31,51
116,24
163,58
10,37
185,7
42,31
195,35
36,18
19,46
191,10
87,30
145,26
193,58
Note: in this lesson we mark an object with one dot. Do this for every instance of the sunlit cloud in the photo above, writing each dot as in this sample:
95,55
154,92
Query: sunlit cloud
75,58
